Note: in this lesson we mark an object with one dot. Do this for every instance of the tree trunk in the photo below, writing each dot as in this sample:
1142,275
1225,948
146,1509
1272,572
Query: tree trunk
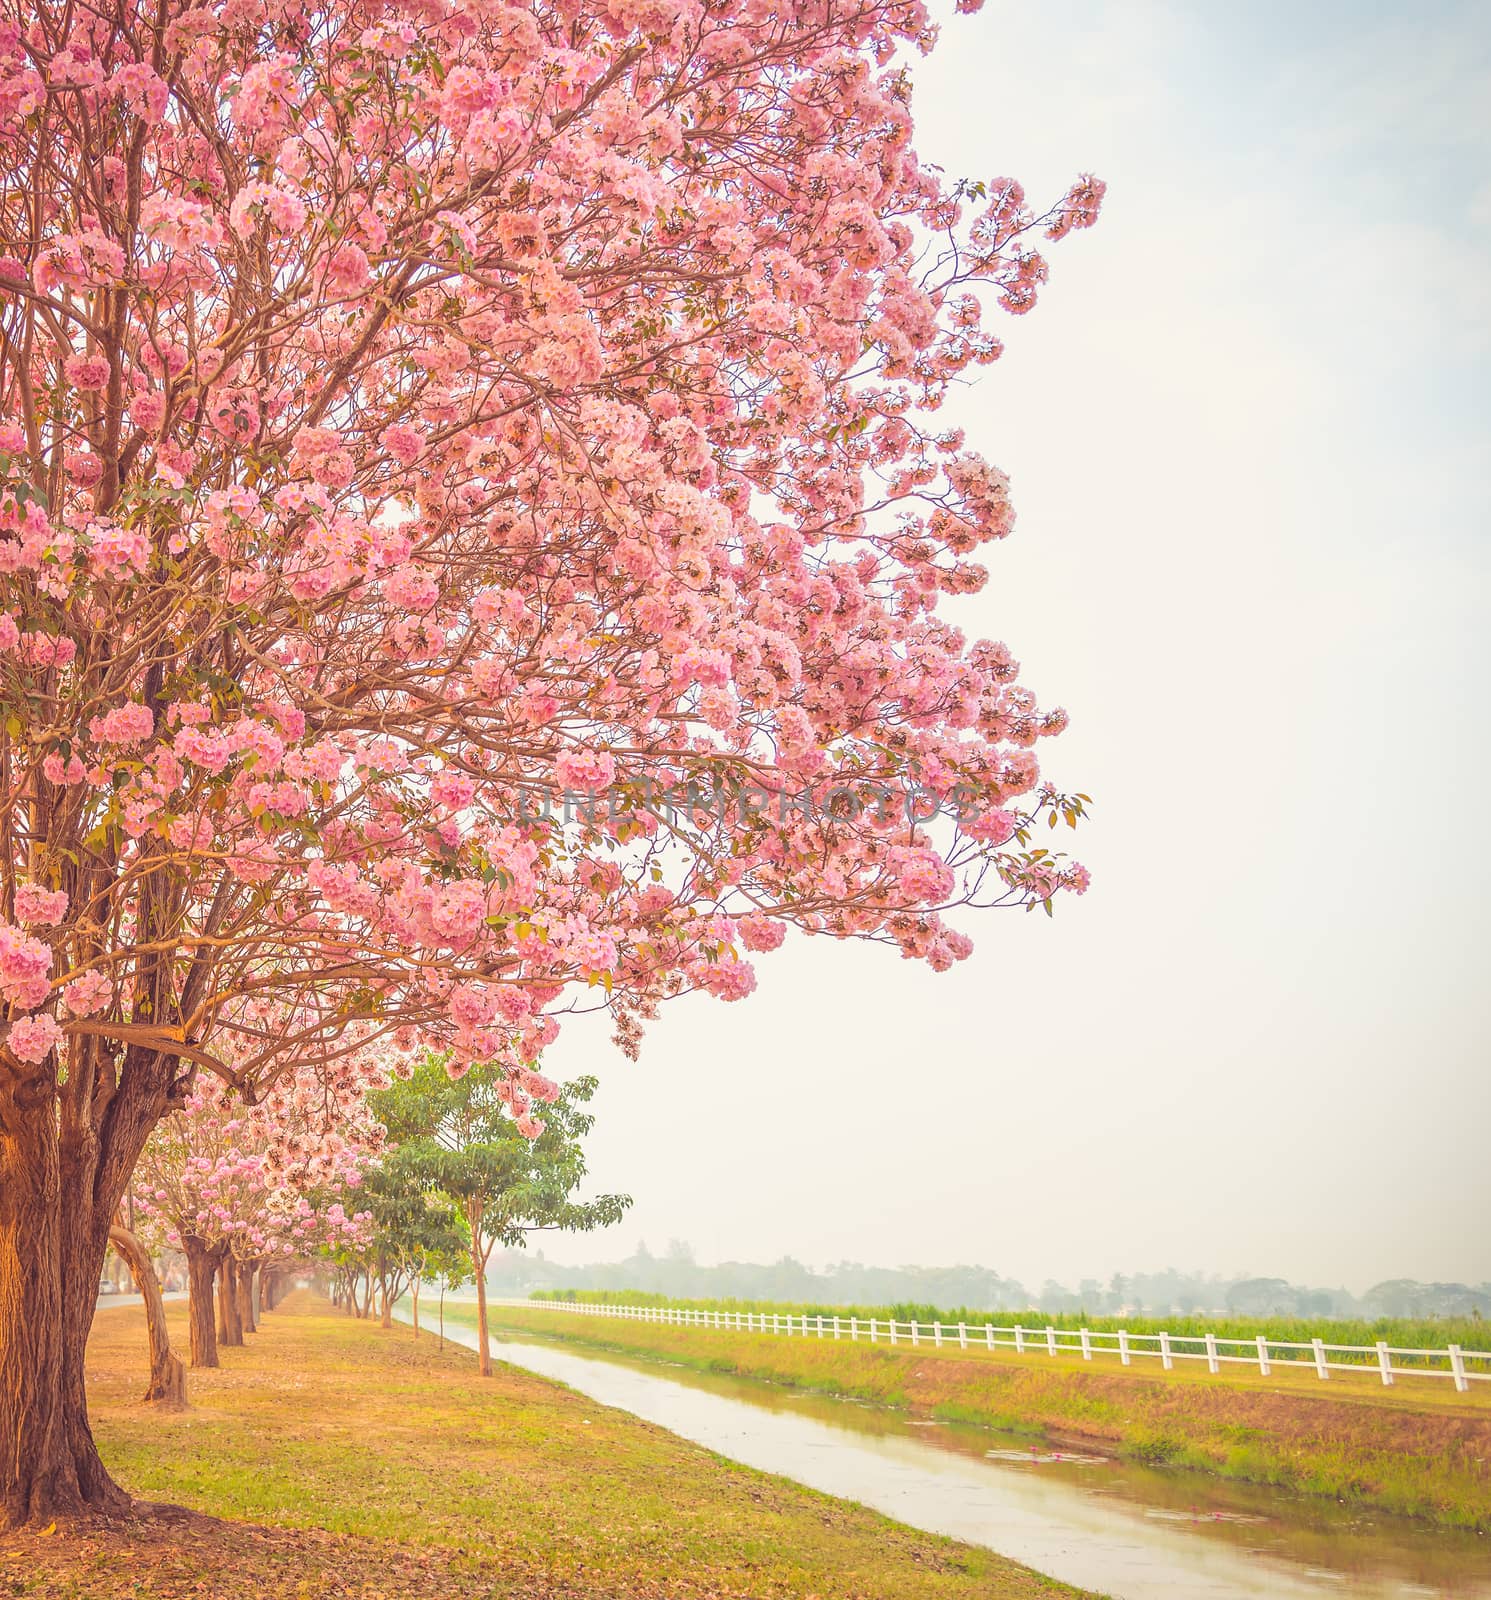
167,1375
243,1285
385,1295
200,1267
66,1155
414,1295
219,1276
230,1320
483,1344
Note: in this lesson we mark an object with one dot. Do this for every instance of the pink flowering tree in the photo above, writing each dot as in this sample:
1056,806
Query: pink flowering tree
239,1189
473,517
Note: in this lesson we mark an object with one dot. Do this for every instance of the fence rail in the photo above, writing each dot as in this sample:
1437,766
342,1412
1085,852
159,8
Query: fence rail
1263,1354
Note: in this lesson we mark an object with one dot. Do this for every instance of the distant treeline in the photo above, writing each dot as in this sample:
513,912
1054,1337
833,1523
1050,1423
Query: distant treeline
906,1291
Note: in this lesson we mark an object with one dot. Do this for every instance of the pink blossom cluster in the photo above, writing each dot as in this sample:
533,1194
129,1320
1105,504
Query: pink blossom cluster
405,530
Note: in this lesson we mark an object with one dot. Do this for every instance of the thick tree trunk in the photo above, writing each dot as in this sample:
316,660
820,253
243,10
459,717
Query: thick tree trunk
243,1284
167,1375
65,1158
200,1267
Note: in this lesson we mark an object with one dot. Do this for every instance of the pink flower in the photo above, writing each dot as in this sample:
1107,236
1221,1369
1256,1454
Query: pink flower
403,443
411,588
453,791
86,372
347,270
147,411
88,994
37,905
458,910
128,724
585,771
33,1038
761,933
593,952
25,962
992,827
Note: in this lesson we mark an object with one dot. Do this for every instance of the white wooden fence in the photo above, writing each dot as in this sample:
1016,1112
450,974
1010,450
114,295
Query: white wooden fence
1463,1366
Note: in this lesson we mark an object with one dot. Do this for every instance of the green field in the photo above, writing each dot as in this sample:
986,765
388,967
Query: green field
1430,1333
331,1460
1418,1449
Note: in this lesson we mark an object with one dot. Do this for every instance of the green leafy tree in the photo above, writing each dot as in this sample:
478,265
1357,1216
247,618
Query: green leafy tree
459,1138
417,1232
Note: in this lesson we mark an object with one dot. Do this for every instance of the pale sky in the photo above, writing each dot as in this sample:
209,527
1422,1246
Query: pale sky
1247,432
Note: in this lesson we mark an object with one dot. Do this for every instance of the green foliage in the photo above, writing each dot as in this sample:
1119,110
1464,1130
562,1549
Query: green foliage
418,1232
455,1137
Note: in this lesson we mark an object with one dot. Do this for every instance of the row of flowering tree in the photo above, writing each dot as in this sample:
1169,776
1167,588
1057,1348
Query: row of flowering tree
239,1190
473,522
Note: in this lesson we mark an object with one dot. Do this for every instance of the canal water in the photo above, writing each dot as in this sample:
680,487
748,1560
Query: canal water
1124,1530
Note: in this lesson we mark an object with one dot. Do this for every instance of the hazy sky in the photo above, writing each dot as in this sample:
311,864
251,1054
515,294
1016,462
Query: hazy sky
1247,429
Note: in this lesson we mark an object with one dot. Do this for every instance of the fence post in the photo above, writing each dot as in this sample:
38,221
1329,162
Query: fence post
1321,1370
1263,1367
1165,1360
1050,1340
962,1335
872,1330
1385,1361
989,1334
1123,1346
1019,1340
1086,1345
937,1334
1457,1366
1211,1353
892,1326
916,1337
854,1331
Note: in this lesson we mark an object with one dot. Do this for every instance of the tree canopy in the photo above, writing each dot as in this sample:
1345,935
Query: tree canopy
473,521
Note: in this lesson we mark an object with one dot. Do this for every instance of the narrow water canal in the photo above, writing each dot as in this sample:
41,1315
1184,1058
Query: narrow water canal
1127,1531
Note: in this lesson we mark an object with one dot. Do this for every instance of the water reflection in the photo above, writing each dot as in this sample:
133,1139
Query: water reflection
1125,1530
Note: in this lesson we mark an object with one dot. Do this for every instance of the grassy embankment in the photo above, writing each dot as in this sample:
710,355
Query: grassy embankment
1419,1448
351,1462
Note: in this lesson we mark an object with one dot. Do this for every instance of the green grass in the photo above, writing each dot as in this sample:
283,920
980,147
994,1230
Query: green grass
1418,1449
409,1474
1427,1333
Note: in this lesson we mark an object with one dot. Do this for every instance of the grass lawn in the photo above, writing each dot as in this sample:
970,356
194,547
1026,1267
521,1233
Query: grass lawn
1418,1448
344,1461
